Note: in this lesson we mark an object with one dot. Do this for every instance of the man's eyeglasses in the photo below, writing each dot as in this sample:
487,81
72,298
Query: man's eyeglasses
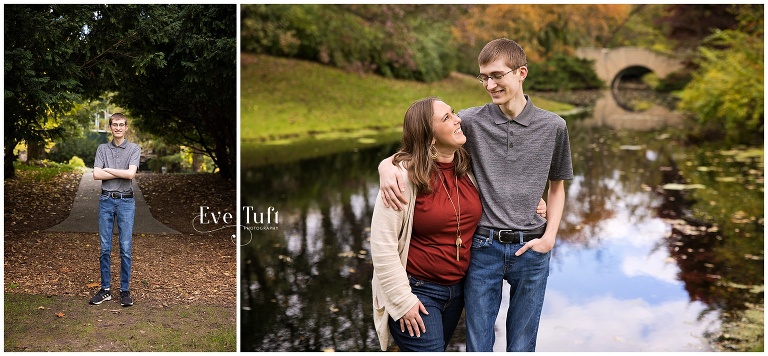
120,125
495,76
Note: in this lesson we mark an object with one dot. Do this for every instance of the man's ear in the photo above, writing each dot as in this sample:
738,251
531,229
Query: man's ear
523,72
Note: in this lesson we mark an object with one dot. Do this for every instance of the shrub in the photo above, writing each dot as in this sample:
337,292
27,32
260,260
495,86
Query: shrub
76,162
673,82
171,163
726,94
411,42
84,147
562,72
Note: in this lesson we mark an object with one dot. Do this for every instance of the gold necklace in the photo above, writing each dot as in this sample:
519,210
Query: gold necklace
458,212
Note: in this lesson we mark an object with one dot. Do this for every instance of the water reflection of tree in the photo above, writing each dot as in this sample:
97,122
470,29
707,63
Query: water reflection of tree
718,243
306,287
613,174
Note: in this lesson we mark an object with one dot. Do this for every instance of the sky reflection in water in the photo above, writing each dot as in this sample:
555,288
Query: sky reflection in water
621,295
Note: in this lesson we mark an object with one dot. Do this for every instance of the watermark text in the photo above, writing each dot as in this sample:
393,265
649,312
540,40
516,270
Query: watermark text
255,220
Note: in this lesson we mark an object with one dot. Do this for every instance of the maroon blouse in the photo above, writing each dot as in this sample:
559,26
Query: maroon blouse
432,254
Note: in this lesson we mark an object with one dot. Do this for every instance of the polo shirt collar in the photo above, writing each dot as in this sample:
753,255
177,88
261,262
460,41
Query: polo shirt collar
524,118
123,145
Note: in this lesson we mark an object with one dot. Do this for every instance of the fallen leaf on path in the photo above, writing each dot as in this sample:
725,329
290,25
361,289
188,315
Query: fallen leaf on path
60,314
92,285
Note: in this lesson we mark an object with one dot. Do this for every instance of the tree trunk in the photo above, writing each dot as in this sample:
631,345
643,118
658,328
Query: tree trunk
224,161
197,162
35,151
10,171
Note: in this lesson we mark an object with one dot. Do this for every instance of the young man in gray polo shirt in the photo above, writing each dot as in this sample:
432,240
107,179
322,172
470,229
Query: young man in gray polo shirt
516,149
115,165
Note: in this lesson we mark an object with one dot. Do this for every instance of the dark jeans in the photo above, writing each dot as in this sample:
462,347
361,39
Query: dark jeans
444,304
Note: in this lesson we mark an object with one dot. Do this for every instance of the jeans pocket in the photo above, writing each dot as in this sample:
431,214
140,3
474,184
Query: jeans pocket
537,253
414,282
480,242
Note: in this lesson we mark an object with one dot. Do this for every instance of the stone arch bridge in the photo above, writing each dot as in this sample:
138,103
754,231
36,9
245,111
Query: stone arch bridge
611,62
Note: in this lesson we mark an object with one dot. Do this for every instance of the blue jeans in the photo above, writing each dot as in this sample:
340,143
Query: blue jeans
123,210
444,305
492,262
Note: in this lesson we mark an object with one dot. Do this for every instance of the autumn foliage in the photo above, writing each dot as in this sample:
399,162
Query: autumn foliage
542,30
422,42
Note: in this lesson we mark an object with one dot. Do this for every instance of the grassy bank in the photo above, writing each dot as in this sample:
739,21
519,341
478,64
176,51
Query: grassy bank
283,98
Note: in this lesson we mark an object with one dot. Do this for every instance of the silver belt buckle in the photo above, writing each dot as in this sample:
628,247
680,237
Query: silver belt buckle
501,239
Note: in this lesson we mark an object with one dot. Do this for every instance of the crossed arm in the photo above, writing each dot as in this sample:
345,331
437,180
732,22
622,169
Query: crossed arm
112,173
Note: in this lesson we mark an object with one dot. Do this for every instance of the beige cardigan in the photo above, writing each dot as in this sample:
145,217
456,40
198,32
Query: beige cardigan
390,240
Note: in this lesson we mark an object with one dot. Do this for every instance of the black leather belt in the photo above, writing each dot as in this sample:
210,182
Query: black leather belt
510,235
116,195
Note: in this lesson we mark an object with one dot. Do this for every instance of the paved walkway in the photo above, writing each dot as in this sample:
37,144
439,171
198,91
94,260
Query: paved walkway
84,214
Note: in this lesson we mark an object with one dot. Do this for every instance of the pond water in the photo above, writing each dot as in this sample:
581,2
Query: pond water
634,269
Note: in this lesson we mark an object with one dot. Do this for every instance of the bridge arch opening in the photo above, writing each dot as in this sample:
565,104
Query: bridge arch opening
630,88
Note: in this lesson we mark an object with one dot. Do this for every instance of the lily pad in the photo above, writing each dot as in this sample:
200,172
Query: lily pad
677,186
279,142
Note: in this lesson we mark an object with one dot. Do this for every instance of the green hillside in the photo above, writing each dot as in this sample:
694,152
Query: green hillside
282,98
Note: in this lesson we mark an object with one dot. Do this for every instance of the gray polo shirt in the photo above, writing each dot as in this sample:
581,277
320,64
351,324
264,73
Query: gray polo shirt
120,157
513,160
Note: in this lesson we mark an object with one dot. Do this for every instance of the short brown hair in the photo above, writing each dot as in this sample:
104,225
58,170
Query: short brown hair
502,48
118,116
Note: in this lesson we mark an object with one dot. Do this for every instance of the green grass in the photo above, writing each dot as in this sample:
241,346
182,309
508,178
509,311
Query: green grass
255,154
32,324
282,98
43,170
